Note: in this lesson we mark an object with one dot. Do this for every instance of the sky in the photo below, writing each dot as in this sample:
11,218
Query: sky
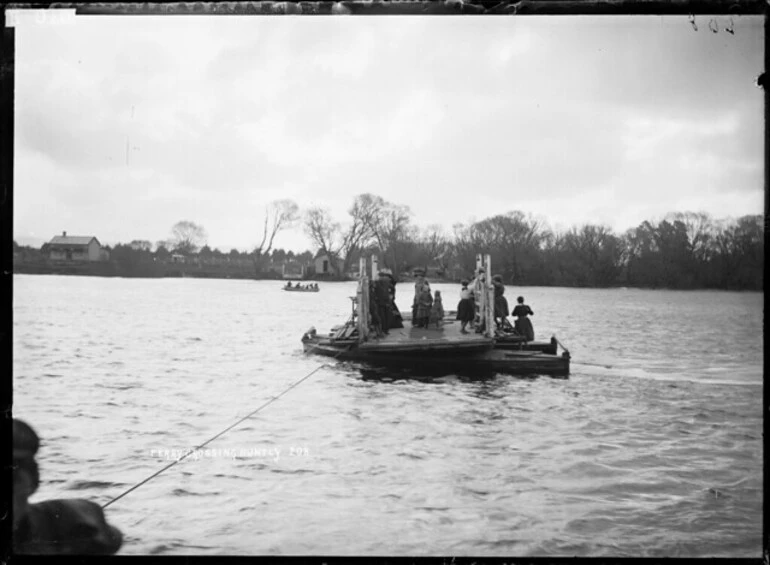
126,125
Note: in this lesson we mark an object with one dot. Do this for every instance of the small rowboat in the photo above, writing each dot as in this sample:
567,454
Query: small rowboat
300,289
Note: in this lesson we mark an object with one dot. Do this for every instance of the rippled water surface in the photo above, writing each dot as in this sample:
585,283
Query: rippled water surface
652,447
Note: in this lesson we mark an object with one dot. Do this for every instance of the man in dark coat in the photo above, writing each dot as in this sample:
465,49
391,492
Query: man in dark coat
383,293
374,309
396,321
53,527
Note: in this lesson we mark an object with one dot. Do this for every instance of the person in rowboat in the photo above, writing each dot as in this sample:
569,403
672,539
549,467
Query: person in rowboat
523,323
53,527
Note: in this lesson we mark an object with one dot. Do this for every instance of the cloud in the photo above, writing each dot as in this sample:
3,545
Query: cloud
211,118
644,137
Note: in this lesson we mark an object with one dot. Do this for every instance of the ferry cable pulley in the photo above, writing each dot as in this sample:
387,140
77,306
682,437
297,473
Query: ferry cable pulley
227,429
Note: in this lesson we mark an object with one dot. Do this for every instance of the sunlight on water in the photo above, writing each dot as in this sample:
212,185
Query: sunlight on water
653,446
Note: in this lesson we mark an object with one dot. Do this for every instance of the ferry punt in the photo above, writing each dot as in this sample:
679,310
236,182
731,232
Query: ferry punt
444,349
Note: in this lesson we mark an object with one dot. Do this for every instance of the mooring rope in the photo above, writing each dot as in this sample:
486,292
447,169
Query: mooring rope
602,365
592,364
227,429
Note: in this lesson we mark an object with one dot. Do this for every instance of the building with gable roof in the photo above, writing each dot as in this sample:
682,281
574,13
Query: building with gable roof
76,248
325,266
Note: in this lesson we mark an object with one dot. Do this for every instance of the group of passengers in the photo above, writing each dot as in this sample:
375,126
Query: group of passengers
298,286
428,308
467,314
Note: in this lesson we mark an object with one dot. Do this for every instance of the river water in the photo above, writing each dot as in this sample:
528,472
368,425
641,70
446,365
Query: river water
652,447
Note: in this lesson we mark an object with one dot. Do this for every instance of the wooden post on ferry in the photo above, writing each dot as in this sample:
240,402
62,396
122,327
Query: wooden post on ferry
478,293
362,299
489,294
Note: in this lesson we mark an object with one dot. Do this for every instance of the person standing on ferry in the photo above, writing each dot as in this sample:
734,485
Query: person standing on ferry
523,323
466,308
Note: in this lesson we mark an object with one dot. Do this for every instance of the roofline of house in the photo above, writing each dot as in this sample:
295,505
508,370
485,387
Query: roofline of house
93,237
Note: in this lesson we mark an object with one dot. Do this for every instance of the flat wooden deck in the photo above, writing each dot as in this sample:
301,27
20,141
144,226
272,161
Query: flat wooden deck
446,336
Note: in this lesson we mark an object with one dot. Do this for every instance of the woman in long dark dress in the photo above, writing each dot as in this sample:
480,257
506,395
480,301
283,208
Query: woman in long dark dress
501,302
466,308
396,321
523,323
424,304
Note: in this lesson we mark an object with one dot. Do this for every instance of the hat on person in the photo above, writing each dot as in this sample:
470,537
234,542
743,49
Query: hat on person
25,446
498,278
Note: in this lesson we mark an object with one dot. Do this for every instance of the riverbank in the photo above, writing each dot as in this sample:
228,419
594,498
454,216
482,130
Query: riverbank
148,270
172,270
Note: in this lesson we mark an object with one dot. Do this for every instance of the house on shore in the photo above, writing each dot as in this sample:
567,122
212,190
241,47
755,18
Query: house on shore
76,248
325,266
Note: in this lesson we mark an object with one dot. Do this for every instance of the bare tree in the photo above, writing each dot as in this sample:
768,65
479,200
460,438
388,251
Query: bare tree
279,215
325,233
359,234
388,225
437,246
187,237
372,221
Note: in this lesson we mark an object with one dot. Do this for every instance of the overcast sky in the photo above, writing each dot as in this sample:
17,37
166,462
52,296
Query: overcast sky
126,125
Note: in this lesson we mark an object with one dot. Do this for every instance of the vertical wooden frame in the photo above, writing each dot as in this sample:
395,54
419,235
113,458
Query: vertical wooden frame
362,295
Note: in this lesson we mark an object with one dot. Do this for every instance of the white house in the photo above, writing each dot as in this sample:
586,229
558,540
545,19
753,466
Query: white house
76,248
325,266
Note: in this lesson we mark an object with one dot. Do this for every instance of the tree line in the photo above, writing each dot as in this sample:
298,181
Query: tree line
684,250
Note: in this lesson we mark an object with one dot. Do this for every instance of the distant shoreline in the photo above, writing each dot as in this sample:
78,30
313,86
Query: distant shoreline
149,271
92,271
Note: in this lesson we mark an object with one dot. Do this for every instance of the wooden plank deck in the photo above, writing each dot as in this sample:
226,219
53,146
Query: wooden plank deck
448,315
447,336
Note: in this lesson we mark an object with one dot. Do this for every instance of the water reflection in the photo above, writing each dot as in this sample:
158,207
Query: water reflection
437,375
